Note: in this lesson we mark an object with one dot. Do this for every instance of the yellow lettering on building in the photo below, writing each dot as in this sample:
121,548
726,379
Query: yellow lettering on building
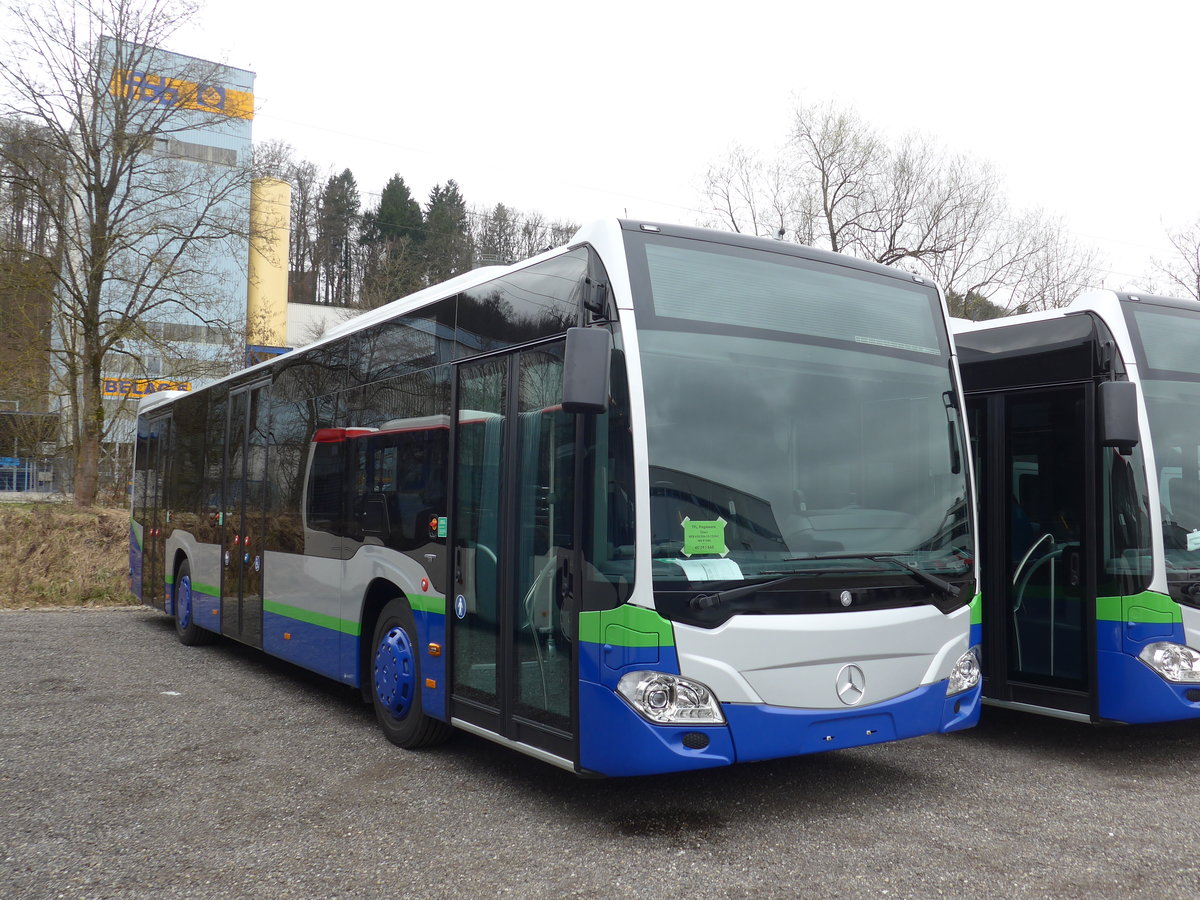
165,91
136,388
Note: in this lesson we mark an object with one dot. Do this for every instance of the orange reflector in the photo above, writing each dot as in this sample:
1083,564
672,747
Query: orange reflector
216,612
287,635
430,683
435,649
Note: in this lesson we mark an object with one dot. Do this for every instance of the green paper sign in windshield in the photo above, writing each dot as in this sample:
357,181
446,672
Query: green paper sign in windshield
702,538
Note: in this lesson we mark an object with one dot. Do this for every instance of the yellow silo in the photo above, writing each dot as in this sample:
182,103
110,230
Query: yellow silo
266,291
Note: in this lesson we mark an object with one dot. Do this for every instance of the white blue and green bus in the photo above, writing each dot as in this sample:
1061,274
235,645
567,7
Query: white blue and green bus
661,499
1085,431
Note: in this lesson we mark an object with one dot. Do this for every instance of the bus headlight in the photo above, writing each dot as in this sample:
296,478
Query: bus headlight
670,700
1174,662
966,673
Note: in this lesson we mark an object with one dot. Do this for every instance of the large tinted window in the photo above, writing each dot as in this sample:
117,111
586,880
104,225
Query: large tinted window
187,474
399,469
540,301
213,486
800,416
405,344
1161,331
299,406
609,520
711,283
1166,339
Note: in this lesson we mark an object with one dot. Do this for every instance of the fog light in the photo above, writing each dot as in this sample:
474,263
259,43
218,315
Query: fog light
670,700
1174,662
966,673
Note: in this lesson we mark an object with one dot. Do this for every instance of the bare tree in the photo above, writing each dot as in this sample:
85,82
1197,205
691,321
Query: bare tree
536,234
506,235
1182,271
840,164
141,220
838,184
749,196
307,181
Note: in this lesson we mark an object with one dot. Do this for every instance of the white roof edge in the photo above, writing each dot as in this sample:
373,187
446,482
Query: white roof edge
418,299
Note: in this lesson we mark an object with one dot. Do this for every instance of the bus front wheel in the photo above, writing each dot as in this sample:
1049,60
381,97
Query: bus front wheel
190,634
396,681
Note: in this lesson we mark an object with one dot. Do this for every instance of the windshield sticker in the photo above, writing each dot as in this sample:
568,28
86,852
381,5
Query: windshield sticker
710,569
1193,540
704,538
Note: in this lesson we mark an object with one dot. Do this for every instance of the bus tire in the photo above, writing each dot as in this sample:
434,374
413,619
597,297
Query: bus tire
395,672
190,634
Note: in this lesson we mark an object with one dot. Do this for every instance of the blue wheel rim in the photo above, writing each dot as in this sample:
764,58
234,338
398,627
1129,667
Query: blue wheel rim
395,672
183,601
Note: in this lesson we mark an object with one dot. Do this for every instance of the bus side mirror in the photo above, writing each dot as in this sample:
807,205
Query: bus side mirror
1118,415
585,370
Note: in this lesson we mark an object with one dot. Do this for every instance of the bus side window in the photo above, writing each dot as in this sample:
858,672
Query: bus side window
610,521
324,511
1126,524
400,484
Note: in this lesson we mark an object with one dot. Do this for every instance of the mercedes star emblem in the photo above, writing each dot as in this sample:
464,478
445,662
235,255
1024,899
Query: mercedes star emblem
851,684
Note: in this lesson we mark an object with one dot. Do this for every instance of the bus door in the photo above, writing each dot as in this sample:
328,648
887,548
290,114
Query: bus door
1035,461
244,519
512,611
157,450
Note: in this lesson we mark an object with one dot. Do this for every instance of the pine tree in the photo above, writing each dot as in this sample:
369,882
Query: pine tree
337,233
447,245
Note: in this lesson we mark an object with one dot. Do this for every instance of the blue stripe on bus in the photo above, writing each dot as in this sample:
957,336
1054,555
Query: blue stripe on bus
1129,690
769,732
311,646
618,741
336,654
206,608
431,629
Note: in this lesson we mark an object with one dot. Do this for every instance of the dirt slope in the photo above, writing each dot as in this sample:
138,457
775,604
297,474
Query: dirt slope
52,554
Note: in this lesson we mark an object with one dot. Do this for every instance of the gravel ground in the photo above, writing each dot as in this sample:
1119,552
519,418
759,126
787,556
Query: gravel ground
131,766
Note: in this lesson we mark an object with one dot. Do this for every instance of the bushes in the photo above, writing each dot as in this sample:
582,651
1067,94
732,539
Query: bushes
52,554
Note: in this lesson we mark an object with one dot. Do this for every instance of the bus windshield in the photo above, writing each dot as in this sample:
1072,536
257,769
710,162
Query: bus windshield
1166,339
800,417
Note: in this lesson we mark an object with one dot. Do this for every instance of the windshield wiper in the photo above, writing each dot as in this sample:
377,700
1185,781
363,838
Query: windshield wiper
708,601
927,578
931,580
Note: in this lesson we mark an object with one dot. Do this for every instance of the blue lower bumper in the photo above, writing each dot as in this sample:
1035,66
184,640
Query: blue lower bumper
1131,692
617,741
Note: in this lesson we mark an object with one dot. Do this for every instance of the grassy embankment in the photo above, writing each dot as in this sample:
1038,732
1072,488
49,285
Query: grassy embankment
52,554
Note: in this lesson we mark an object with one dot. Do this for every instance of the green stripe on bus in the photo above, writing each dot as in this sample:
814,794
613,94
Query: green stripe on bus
638,627
1148,607
423,603
977,610
207,589
313,618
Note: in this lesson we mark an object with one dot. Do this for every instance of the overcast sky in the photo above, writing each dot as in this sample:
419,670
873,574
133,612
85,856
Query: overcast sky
579,111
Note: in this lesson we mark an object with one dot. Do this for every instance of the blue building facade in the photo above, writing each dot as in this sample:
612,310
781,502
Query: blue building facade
193,181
